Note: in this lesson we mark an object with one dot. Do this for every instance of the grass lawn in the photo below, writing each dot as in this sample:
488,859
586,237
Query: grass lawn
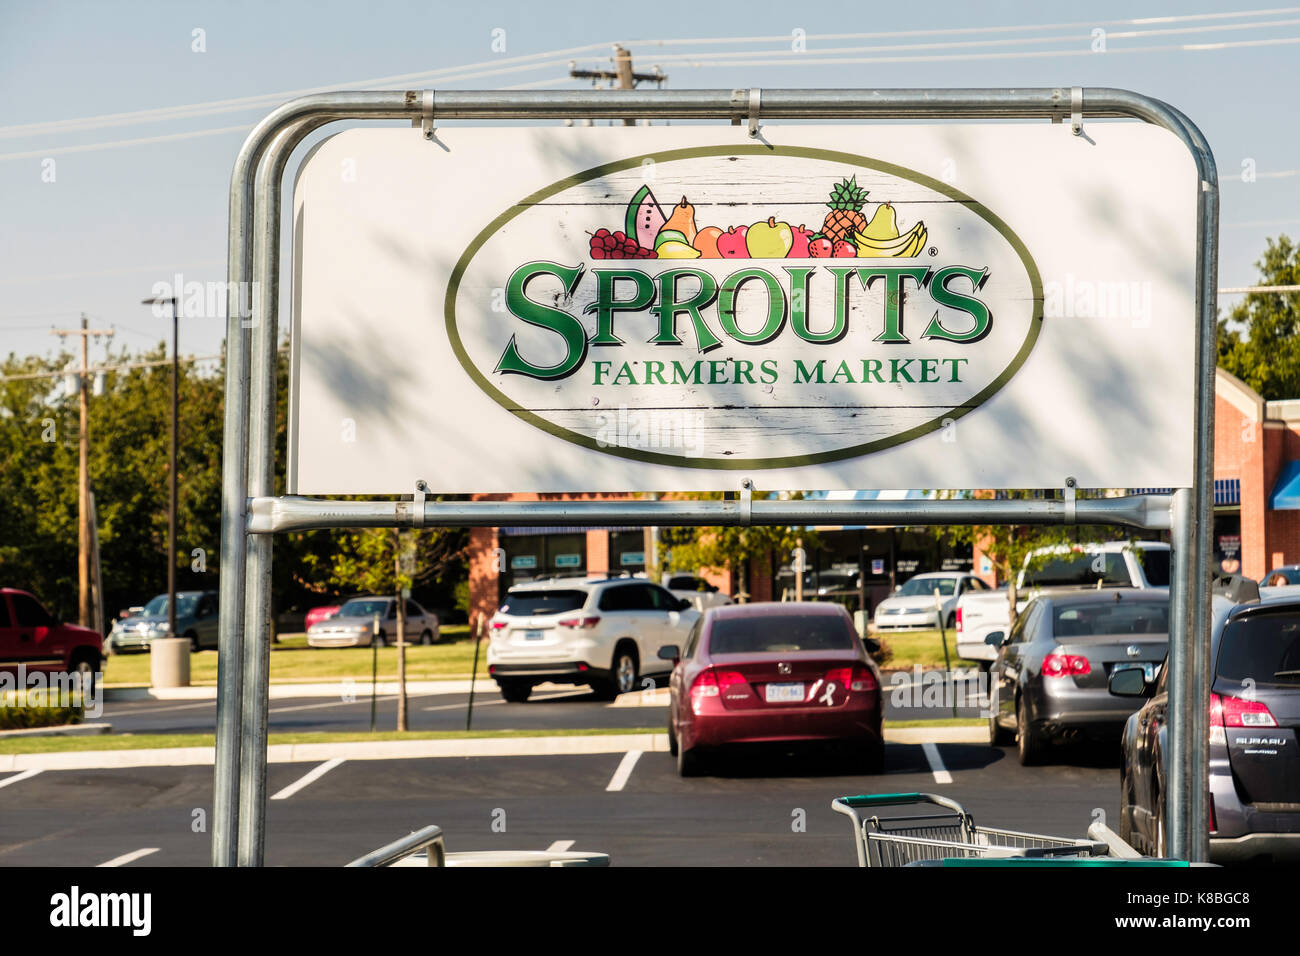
908,649
31,745
293,660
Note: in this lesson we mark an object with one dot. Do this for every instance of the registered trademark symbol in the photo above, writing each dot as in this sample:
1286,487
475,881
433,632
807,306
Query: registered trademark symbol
934,251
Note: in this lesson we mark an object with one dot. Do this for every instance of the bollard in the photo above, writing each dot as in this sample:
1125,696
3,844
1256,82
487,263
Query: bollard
169,664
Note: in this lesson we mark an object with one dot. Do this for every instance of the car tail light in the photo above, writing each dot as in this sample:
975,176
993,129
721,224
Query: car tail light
497,625
711,683
1228,711
1057,664
959,626
581,623
857,677
1213,825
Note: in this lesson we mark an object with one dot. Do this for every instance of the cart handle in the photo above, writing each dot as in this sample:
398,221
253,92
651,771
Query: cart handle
849,807
895,799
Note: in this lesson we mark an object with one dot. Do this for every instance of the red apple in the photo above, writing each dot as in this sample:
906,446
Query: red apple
802,236
731,244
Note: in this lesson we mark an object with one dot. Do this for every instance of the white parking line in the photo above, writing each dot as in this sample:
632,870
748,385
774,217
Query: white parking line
114,712
941,775
26,774
624,770
307,779
131,857
559,846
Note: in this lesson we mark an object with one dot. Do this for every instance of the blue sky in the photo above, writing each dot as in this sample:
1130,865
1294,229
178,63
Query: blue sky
115,220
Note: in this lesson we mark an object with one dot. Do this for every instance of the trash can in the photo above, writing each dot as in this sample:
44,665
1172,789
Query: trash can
169,664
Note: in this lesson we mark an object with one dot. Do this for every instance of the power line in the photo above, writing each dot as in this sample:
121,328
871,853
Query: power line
539,60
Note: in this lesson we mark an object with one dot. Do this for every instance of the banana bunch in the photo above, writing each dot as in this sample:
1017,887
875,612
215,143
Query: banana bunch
907,245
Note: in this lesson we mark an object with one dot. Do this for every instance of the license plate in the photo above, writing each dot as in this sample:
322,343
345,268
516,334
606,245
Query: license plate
784,693
534,635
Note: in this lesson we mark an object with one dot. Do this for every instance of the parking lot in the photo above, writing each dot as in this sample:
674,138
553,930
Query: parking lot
772,810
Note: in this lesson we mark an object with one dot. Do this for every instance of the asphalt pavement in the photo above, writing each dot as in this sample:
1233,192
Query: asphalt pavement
550,708
753,810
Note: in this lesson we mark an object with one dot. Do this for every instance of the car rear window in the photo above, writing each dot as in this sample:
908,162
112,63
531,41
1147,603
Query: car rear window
779,633
1264,648
1081,568
542,602
1111,617
1155,565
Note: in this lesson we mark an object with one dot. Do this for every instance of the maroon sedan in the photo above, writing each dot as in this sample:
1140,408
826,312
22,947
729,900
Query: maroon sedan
774,673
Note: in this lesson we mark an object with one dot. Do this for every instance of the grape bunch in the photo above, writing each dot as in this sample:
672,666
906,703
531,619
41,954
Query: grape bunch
616,245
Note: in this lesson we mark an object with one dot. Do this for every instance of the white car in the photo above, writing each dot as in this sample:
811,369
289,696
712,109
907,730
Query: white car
354,624
912,606
605,633
1140,564
698,591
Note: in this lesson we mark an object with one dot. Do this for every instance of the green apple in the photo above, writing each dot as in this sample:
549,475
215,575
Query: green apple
769,240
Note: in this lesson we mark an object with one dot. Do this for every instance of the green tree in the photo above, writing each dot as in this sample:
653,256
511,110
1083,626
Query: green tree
1259,340
387,561
732,549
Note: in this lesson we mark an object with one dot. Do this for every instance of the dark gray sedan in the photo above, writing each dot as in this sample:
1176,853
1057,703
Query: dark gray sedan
1049,681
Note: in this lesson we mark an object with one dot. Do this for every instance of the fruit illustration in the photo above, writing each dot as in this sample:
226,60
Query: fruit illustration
673,249
706,240
883,225
617,245
769,240
846,233
819,247
682,220
845,218
644,218
905,246
670,235
731,244
802,237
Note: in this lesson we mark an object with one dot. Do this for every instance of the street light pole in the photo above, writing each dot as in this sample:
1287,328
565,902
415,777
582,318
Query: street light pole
171,500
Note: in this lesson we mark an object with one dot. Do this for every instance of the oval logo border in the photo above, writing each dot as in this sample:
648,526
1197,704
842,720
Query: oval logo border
747,149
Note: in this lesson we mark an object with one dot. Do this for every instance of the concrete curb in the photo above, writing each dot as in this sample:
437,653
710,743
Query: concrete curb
417,749
335,689
355,750
62,730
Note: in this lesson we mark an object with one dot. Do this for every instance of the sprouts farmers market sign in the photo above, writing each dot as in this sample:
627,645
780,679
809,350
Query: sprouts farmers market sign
557,309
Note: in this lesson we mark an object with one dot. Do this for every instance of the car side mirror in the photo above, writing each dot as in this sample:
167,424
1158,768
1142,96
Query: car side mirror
995,638
1128,682
670,652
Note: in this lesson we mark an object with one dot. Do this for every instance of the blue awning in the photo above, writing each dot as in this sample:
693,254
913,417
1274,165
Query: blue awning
1286,493
1227,491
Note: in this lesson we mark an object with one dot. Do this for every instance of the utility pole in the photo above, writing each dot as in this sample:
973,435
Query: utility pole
623,76
84,613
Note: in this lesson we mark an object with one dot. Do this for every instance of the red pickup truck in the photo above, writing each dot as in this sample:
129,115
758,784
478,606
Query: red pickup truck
31,637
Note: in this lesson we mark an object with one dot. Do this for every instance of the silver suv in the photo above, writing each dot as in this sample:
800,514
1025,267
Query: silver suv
604,633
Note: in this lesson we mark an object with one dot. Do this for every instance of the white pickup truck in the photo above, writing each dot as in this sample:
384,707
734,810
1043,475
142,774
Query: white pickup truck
1138,564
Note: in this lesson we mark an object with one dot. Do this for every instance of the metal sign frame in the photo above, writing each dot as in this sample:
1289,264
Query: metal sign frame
251,513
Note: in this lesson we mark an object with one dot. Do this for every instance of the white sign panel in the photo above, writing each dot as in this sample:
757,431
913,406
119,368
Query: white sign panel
614,309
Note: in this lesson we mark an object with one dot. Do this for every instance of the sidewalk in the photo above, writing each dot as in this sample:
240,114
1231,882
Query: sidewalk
281,690
418,749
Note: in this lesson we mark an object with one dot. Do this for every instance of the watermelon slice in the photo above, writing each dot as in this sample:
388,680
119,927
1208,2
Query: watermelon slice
644,218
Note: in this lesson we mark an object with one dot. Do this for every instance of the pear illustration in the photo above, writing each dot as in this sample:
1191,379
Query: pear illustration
883,225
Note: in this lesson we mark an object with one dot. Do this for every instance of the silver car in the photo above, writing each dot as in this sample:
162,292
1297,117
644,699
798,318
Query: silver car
1050,679
354,624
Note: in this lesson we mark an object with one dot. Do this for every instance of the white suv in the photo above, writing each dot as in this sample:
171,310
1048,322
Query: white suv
604,633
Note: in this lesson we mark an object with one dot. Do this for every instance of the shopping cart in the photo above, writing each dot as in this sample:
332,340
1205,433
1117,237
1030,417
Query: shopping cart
903,840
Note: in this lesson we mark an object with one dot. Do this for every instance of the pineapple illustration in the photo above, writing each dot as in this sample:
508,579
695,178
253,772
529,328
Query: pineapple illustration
845,217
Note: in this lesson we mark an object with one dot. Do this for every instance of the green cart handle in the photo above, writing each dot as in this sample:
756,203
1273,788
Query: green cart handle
897,799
